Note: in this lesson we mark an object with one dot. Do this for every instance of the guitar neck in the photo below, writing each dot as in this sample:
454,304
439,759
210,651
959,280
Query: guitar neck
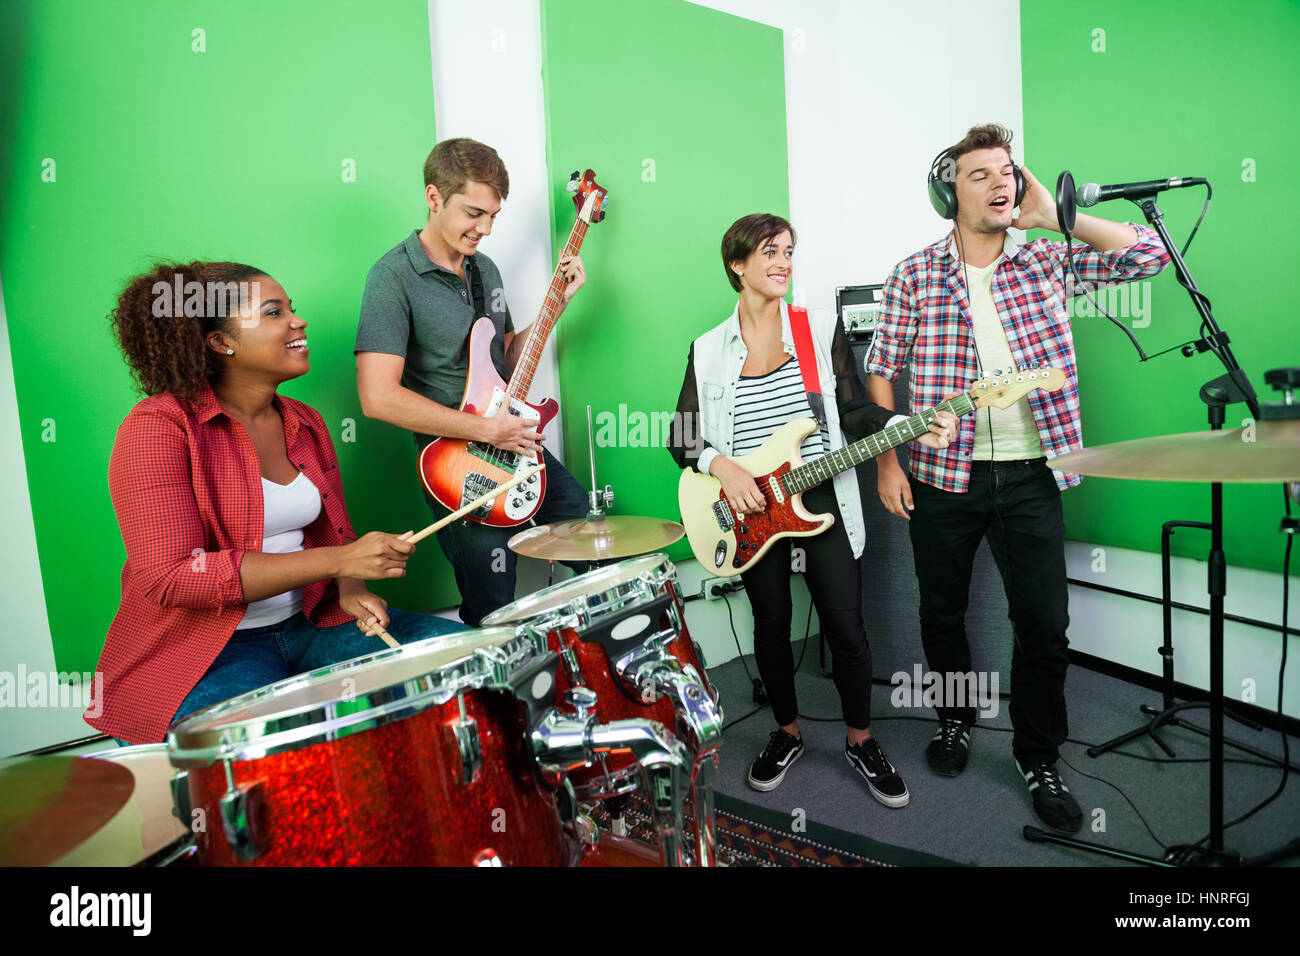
522,379
815,472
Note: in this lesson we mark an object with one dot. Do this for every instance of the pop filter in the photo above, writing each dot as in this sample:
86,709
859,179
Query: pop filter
1066,211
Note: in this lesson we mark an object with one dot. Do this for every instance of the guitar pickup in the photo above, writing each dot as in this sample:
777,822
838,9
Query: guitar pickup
493,455
722,514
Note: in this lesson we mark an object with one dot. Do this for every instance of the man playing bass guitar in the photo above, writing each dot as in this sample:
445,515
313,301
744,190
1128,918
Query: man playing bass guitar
420,301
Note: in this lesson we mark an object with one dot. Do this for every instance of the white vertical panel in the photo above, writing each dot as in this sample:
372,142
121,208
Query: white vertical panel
25,645
487,85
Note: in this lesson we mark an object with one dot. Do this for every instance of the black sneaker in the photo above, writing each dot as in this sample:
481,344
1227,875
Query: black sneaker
949,747
882,779
768,769
1052,800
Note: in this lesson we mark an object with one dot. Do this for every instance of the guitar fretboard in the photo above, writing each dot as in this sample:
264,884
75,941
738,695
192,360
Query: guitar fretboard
815,472
522,379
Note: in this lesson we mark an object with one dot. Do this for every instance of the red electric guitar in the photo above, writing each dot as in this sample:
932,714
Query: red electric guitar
726,543
455,471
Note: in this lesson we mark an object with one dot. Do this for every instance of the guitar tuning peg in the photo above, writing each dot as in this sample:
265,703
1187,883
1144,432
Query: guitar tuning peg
997,372
575,175
571,185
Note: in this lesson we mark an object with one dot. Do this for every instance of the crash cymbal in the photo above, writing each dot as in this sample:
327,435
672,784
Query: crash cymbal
583,539
54,804
1268,453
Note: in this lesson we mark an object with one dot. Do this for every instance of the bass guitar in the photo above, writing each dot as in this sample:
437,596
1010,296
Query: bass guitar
727,542
455,471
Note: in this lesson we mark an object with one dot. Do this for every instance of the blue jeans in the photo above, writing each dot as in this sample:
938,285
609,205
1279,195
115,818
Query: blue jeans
259,656
484,564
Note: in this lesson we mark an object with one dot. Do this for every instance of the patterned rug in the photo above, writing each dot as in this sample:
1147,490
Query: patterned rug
749,835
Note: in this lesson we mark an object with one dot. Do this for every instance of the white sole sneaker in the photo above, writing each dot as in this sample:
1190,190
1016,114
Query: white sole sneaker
887,799
775,781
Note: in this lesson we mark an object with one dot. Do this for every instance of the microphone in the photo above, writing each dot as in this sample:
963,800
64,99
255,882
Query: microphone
1089,194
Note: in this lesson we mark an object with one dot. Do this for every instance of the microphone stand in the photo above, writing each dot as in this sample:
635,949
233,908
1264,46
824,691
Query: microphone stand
1232,387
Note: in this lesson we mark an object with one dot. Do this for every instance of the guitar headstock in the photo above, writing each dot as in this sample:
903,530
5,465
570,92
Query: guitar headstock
1005,387
589,197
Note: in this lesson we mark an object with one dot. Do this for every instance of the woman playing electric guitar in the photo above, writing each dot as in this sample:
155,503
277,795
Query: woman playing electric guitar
743,382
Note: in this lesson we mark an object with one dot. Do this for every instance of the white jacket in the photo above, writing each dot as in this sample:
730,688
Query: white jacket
720,355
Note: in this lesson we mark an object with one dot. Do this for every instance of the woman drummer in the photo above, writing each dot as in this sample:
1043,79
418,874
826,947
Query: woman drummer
242,566
743,382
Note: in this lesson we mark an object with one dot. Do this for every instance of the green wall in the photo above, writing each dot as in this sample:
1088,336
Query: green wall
1191,88
681,112
163,152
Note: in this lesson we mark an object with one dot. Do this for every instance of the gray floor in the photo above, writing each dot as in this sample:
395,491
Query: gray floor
977,817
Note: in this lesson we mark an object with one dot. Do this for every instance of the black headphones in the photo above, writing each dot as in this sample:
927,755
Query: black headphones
943,197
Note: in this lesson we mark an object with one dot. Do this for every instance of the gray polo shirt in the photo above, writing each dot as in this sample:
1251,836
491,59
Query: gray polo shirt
423,312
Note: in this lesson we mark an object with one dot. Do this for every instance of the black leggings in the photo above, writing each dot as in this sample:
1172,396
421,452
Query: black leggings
834,581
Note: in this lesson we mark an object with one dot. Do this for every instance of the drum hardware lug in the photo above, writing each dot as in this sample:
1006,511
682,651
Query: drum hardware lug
182,809
572,669
465,731
499,661
582,700
242,809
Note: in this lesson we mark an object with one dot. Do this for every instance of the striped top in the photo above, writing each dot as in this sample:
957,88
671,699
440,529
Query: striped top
766,402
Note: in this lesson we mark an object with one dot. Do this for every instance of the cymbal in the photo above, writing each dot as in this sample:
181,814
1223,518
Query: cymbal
53,804
582,539
1269,453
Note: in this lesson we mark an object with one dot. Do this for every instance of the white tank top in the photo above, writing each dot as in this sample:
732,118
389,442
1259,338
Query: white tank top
287,510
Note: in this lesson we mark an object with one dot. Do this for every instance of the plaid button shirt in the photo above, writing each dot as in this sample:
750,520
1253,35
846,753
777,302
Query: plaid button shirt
187,489
925,321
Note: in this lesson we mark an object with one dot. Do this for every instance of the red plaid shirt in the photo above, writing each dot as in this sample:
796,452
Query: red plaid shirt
925,319
187,490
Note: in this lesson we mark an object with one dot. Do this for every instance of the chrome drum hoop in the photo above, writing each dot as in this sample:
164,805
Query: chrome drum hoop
578,603
320,706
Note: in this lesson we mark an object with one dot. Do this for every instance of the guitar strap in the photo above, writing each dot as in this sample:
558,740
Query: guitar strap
803,351
475,287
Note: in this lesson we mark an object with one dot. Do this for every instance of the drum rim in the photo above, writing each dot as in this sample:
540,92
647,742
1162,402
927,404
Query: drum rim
579,605
294,728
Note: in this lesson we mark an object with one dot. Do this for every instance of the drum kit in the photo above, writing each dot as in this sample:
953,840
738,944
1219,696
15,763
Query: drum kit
484,747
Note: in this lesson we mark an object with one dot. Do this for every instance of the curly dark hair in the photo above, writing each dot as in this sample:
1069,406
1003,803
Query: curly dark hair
163,334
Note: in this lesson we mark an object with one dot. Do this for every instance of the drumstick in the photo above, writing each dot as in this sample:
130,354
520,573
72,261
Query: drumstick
476,503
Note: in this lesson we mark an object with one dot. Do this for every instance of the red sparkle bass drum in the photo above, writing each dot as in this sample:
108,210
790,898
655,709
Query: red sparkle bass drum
412,756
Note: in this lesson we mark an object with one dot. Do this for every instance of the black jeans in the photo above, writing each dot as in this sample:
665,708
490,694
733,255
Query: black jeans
484,564
1017,505
835,583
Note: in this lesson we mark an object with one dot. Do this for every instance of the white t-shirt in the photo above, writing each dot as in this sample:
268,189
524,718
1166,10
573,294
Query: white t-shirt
286,510
1015,435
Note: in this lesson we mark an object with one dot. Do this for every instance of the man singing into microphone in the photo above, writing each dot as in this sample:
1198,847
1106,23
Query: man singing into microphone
973,302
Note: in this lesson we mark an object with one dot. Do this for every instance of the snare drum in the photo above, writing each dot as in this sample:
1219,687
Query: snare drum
411,756
620,631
